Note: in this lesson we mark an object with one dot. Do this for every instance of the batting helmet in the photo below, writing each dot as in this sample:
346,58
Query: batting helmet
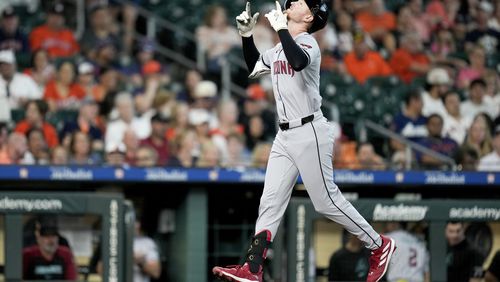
319,10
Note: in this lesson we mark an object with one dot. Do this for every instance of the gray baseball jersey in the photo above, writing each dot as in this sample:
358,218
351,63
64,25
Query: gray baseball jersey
410,261
296,93
305,149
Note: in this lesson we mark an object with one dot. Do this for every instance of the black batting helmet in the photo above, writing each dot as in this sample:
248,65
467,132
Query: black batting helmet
318,8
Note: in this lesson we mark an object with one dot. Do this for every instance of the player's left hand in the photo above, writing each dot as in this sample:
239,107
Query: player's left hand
277,19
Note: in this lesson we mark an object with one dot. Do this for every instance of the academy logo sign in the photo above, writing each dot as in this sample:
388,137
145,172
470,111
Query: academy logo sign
399,212
475,213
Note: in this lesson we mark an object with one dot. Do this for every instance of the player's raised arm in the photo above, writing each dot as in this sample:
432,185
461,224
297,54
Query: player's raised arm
245,23
297,57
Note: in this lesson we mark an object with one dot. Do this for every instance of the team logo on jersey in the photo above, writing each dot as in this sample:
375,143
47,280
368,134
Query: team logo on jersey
305,45
283,67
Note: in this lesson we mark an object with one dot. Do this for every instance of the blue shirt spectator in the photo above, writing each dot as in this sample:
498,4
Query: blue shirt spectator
410,123
11,37
437,143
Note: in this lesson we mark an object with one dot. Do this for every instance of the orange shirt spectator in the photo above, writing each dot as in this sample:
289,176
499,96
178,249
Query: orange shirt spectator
401,62
58,43
53,36
49,132
52,93
369,65
370,22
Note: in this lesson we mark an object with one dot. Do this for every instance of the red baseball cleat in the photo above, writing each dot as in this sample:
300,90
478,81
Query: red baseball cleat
240,273
380,258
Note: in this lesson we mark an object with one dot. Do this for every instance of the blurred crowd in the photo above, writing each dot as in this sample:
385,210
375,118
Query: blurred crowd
109,98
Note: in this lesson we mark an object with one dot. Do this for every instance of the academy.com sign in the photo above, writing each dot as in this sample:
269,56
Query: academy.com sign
475,213
7,203
399,212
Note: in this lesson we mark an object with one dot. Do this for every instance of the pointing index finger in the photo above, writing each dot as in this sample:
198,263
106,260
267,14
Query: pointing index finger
278,6
248,8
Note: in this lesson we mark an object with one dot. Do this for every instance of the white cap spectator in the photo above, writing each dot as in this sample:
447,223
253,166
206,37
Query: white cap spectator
205,89
85,68
7,57
198,116
438,76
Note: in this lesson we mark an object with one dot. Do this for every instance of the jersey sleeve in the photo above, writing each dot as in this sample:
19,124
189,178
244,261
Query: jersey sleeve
309,45
265,58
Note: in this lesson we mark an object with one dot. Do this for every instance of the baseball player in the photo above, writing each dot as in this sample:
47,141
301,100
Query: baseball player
411,261
304,143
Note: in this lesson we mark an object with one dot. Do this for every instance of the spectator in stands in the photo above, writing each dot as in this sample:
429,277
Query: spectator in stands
200,120
437,143
361,63
157,140
411,262
86,78
378,22
126,119
227,113
216,37
437,84
478,102
409,61
115,156
191,80
47,260
145,54
105,91
491,161
479,136
42,70
63,92
86,122
35,118
440,13
464,264
59,156
492,80
258,121
493,272
11,36
210,155
187,148
467,158
131,143
349,263
410,123
81,150
146,156
344,28
419,20
205,97
482,34
456,124
17,150
101,28
238,155
368,158
443,45
146,256
180,121
105,55
260,155
476,70
37,146
16,89
53,36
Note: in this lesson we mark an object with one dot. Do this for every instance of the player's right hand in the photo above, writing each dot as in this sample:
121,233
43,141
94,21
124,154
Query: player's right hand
245,22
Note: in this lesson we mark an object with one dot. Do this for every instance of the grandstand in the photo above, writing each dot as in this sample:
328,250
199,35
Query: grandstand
108,105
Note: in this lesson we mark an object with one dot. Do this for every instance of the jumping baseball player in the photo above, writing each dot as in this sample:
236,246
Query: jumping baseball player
304,143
